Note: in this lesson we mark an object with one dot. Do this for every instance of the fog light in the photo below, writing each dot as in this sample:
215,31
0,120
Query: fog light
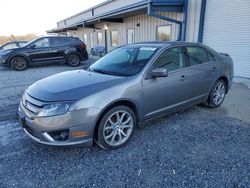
60,135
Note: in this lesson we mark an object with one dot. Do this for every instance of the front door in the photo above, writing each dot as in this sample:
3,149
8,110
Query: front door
40,51
165,93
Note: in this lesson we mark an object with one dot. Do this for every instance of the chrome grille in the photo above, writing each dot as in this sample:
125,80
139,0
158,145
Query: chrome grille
31,106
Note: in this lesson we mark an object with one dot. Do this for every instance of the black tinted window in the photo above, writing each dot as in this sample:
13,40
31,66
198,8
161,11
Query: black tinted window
171,59
56,41
197,55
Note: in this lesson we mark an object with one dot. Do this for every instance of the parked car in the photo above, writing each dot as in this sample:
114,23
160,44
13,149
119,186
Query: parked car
13,44
130,85
45,50
98,50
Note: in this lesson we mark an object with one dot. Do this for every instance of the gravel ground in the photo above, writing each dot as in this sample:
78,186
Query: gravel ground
193,148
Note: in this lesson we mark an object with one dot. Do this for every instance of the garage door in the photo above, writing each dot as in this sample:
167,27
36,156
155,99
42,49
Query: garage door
227,29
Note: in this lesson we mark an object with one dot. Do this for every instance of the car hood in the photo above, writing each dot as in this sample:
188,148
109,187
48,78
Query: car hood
71,85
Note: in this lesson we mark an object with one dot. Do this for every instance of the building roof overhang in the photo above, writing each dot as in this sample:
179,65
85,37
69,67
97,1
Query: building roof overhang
119,14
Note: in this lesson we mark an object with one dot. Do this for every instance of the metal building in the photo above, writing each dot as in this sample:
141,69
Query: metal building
223,25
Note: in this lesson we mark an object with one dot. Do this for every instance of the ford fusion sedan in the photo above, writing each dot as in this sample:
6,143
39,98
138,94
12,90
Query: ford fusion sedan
45,50
129,86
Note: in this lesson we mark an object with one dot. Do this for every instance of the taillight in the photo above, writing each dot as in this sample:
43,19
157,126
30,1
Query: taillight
83,46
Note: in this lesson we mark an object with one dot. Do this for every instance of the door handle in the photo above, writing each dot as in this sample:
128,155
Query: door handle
183,77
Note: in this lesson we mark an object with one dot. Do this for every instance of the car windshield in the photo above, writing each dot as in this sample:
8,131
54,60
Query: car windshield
124,61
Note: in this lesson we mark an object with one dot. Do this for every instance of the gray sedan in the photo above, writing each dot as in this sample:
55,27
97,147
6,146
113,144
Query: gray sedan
129,86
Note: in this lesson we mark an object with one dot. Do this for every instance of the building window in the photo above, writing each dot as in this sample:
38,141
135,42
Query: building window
91,40
85,38
130,36
99,39
163,33
114,38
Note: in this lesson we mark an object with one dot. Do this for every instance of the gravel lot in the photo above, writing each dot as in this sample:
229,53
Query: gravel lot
193,148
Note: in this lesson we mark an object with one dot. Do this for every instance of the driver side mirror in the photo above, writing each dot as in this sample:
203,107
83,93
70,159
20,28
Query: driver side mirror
159,72
32,46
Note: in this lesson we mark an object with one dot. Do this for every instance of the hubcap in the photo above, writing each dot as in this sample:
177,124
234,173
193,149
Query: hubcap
219,93
19,63
118,128
74,59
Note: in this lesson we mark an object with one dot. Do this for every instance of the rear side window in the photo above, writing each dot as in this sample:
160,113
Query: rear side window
56,41
171,59
198,55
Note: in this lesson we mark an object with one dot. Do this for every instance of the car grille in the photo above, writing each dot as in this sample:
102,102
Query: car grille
31,105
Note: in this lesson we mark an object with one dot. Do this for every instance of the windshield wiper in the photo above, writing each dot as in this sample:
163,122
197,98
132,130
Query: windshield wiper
100,71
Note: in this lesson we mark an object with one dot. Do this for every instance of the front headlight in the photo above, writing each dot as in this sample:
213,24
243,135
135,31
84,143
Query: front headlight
53,110
5,52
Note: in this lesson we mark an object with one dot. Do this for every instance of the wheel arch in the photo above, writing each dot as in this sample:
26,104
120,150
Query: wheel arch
123,102
225,79
18,55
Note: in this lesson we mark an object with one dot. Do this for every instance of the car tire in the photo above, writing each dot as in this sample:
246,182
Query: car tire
19,63
116,128
217,94
73,60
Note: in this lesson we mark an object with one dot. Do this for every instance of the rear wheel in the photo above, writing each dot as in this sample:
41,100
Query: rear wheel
217,94
73,60
116,127
19,63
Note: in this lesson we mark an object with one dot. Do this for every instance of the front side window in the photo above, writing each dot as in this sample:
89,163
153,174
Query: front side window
114,38
124,61
99,38
41,43
197,55
171,59
130,36
163,33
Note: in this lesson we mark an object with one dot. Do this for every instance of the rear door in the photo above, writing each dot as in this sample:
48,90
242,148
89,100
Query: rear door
201,72
58,47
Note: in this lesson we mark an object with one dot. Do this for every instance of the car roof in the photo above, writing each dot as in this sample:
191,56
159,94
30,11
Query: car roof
165,43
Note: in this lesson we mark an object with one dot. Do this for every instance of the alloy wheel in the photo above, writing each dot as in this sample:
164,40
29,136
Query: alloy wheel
118,128
219,93
74,60
19,63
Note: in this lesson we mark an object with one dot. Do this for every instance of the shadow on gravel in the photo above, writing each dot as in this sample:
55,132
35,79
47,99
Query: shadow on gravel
192,148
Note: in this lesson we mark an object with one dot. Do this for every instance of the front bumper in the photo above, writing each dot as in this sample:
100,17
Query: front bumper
3,62
41,129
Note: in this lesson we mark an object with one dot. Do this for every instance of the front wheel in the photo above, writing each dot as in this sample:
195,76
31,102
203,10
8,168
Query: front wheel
217,94
116,127
73,60
19,63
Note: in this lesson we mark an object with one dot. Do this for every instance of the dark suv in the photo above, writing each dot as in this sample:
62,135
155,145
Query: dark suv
45,50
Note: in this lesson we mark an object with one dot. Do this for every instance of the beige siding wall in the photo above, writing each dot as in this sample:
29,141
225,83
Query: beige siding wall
145,32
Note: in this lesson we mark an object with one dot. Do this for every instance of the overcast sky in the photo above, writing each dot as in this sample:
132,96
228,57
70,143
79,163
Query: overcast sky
20,17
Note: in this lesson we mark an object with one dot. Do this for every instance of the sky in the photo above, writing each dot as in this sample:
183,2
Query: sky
20,17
